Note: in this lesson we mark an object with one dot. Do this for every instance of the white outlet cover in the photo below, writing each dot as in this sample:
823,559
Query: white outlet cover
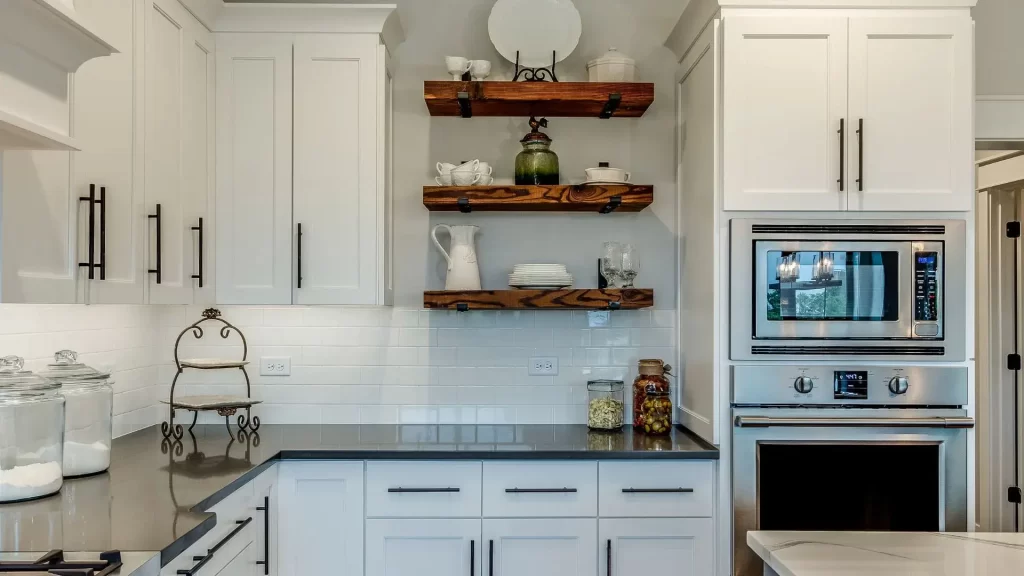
544,366
275,366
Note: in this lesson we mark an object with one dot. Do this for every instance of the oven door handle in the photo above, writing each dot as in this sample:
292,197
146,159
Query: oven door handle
787,422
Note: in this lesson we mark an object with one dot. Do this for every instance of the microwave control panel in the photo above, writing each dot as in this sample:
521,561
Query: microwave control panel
926,288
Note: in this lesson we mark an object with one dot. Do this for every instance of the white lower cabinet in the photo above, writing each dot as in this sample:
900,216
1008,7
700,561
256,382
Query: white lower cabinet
268,520
415,547
677,546
320,511
242,563
540,547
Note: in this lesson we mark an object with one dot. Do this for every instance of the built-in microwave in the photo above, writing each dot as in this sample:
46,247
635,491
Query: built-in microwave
877,289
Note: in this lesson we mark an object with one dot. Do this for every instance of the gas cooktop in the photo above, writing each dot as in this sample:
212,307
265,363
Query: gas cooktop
53,562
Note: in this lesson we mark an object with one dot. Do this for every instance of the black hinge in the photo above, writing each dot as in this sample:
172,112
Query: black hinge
1013,494
1013,229
1013,362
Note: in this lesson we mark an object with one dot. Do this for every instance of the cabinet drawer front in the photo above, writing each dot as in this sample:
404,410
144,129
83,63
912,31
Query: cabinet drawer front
540,489
655,489
423,489
227,540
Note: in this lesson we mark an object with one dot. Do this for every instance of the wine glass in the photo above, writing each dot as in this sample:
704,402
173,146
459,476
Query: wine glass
630,265
611,262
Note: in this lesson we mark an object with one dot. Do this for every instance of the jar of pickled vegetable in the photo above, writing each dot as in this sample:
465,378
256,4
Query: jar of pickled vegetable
657,413
651,378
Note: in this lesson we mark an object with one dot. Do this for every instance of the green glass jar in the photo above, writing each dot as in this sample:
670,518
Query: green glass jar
536,164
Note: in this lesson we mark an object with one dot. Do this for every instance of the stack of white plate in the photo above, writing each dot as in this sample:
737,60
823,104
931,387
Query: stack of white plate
540,276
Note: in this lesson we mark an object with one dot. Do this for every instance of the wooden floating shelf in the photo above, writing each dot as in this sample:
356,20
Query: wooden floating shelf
567,299
551,99
561,198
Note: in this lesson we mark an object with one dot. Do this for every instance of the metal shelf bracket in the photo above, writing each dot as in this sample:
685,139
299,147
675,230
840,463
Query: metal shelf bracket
613,203
611,105
464,206
465,108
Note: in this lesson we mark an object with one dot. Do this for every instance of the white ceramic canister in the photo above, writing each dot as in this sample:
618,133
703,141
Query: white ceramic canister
612,66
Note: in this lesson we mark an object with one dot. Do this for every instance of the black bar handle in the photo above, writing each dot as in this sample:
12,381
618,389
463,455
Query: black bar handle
200,275
842,154
860,155
91,263
103,232
540,490
608,560
241,524
657,490
472,557
401,490
266,527
298,251
490,558
159,252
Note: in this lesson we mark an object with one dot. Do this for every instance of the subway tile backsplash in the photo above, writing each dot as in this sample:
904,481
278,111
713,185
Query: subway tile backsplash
399,365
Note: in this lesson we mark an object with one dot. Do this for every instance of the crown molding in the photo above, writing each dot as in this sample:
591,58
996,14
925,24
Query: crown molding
379,19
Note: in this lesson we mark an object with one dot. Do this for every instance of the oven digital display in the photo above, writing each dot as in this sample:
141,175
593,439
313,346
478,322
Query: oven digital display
850,384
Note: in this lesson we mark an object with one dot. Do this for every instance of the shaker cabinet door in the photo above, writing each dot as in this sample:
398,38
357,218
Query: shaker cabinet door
336,171
911,94
433,547
254,169
677,546
785,97
541,547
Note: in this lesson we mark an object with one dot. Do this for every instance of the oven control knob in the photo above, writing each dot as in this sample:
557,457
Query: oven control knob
803,385
899,385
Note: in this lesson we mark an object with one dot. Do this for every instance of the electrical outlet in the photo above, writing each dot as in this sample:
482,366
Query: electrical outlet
544,366
275,366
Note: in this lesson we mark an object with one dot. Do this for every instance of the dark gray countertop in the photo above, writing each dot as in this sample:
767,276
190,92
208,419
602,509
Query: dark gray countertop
153,495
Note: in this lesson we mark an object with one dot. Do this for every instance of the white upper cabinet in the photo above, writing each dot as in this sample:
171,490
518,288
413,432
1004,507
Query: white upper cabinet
178,96
785,96
839,113
335,162
911,88
254,168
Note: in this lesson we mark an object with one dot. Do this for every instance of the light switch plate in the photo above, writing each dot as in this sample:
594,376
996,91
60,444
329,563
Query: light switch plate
275,366
544,366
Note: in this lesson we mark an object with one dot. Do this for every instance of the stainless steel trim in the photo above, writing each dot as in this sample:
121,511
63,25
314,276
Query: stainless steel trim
769,422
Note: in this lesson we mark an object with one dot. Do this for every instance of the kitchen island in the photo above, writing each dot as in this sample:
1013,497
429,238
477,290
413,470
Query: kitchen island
158,494
888,553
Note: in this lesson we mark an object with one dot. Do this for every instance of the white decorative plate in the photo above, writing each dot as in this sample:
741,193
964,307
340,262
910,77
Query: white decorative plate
212,363
535,28
603,183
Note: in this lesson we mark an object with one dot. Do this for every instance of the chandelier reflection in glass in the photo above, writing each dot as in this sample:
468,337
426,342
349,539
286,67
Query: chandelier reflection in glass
788,269
823,267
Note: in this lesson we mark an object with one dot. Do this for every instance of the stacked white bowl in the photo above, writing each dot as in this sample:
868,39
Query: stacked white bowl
540,276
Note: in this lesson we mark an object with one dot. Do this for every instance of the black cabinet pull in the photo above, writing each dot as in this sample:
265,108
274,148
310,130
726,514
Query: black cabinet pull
490,558
540,490
860,155
91,264
298,252
202,560
608,560
266,525
842,154
200,275
401,490
159,252
472,557
657,490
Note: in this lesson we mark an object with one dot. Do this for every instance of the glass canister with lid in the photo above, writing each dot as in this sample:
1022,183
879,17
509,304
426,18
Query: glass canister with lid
605,405
88,425
31,433
652,378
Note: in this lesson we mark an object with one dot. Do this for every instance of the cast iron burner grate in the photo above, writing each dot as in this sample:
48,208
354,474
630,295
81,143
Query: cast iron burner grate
53,563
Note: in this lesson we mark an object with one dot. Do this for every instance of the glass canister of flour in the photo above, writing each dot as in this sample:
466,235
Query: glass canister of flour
88,427
31,433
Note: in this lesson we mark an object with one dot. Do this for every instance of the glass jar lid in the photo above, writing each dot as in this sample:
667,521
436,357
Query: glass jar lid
15,380
604,385
67,371
535,135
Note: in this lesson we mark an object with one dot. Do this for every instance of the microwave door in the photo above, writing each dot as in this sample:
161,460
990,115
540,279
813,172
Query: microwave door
827,290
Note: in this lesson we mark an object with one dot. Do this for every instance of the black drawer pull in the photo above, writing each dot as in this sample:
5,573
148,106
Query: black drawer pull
91,265
199,276
159,254
298,255
472,557
202,560
401,490
540,490
657,490
266,531
842,154
608,560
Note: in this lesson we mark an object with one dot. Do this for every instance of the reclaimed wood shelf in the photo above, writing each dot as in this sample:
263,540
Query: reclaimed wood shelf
603,198
550,99
566,299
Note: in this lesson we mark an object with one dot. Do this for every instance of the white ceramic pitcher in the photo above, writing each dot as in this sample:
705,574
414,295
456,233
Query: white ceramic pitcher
463,271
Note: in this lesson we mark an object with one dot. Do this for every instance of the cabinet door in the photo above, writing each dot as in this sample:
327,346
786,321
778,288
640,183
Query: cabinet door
107,122
174,131
543,547
254,168
336,172
423,547
911,83
242,564
678,546
785,97
321,518
268,520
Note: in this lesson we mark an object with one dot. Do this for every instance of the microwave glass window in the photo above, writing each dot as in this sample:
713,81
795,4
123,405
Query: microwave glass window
841,286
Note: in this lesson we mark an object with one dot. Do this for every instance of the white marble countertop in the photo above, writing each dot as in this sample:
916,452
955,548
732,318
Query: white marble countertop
889,553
